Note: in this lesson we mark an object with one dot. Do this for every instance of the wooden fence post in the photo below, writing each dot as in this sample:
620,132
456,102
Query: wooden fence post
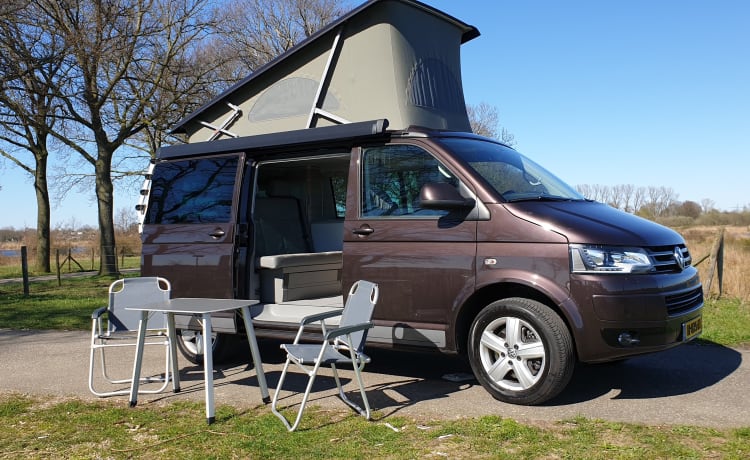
57,264
717,264
25,271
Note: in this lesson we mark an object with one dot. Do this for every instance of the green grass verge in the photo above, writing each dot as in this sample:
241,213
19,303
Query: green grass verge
726,322
36,428
49,306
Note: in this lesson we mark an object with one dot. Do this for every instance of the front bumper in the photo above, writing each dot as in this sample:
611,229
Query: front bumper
631,315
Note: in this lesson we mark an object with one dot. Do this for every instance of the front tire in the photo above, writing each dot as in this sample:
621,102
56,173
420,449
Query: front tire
521,351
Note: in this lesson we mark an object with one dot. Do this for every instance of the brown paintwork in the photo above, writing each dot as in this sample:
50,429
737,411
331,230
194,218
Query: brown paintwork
198,265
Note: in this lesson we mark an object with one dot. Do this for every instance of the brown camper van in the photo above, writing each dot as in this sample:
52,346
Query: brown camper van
292,185
477,249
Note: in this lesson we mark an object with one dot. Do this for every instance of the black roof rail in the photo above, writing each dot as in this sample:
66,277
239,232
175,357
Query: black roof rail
325,134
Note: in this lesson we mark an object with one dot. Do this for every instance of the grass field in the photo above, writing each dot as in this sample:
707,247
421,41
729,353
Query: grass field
38,428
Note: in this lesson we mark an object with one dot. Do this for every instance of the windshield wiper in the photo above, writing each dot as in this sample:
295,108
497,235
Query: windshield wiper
540,198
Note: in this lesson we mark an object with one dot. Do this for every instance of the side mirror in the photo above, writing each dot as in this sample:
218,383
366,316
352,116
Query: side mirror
439,195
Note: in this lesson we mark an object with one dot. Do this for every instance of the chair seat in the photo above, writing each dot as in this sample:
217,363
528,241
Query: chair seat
308,354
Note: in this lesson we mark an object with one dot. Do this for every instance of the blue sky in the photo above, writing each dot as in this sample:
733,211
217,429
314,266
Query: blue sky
620,92
648,93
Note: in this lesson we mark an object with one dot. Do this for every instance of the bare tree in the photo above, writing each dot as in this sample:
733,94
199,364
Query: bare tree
627,191
125,220
639,197
617,197
507,138
657,200
585,190
32,63
257,31
485,121
707,205
123,54
601,193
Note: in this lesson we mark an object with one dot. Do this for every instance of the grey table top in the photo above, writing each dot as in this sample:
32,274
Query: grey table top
195,305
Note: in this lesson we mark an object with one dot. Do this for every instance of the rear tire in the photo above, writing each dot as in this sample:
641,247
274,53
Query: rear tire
521,351
190,344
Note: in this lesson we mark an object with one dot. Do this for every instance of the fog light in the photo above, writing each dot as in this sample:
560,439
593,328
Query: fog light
627,339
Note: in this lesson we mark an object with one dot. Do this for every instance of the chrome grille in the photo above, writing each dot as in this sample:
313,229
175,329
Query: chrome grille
664,258
686,301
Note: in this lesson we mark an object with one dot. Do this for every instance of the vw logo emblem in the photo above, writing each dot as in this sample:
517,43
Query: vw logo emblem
678,257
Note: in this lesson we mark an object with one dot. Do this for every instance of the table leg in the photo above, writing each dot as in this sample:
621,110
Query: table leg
142,325
208,368
172,333
251,339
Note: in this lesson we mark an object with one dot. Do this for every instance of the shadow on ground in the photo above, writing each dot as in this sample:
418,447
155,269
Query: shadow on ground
681,370
396,380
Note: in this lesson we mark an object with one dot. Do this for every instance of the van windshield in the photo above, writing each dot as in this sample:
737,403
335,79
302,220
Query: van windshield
512,175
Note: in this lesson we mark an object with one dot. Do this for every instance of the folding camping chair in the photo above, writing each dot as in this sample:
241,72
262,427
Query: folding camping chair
343,345
122,329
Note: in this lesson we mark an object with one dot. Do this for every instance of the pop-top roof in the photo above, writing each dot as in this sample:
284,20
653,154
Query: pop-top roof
392,59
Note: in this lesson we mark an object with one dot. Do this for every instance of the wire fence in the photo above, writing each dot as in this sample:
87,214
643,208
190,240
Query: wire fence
66,261
716,265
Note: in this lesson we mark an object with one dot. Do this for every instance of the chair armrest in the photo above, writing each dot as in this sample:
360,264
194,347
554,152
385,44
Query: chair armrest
348,330
320,316
314,318
98,312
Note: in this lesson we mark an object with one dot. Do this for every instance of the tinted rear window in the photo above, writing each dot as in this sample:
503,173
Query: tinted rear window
192,191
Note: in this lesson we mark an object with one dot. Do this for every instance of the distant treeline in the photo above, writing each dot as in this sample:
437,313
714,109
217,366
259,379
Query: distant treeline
662,204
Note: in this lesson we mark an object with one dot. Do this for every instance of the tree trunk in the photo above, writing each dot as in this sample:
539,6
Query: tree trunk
104,198
42,215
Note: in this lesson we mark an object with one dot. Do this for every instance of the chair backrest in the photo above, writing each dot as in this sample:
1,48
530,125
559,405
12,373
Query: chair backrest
358,309
130,292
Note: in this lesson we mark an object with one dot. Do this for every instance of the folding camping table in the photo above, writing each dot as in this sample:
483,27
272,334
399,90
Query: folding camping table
204,308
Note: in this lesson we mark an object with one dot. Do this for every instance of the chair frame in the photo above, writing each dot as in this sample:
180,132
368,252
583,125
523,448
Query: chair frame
119,335
330,353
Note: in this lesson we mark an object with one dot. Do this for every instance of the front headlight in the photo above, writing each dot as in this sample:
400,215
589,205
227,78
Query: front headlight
587,258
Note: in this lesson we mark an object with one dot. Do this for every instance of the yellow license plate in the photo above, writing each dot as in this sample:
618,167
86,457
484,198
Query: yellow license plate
692,329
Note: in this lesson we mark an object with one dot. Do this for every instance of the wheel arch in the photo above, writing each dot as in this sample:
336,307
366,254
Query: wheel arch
502,290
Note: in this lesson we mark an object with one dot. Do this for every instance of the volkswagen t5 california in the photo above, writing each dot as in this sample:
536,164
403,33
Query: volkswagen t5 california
477,249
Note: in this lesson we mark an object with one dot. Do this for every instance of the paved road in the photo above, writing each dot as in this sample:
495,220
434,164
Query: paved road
702,385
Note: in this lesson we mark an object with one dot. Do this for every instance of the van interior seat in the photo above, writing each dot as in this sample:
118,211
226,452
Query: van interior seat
301,259
280,226
289,269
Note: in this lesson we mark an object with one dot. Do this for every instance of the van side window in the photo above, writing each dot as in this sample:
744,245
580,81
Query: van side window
192,191
338,190
392,177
